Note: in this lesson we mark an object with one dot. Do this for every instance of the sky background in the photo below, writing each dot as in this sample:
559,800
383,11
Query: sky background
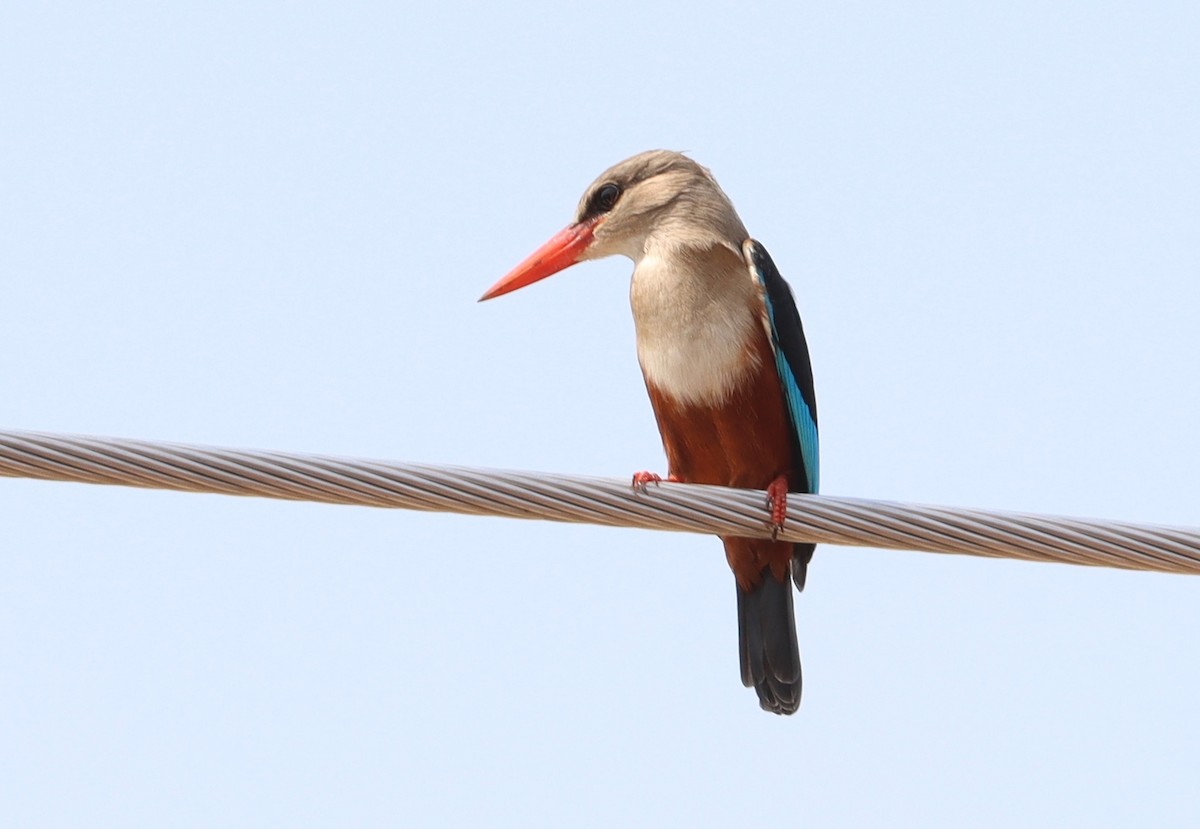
266,225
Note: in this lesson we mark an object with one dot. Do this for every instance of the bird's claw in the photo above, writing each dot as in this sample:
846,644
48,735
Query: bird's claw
777,492
642,480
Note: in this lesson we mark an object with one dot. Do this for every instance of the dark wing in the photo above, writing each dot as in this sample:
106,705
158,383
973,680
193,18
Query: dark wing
791,359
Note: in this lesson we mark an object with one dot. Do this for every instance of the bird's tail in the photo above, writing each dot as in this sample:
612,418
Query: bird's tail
767,643
801,555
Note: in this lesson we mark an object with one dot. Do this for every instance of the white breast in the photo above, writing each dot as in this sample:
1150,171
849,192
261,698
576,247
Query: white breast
693,328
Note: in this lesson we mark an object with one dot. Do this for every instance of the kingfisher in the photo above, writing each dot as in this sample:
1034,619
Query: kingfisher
726,366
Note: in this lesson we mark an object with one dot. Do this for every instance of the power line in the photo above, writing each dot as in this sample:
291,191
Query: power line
606,501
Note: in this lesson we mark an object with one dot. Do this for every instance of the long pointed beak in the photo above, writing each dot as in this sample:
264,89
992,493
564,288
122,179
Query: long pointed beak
562,251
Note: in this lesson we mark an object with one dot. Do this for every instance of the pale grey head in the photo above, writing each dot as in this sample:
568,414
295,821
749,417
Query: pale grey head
657,204
657,199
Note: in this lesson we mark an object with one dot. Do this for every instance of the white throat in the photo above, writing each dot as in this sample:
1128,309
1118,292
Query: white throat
694,325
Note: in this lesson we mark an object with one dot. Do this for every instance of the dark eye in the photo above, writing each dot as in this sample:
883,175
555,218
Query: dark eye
605,198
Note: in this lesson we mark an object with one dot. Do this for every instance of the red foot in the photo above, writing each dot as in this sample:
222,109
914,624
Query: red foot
643,479
777,492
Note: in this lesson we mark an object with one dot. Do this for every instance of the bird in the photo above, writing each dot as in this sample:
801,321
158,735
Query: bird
726,366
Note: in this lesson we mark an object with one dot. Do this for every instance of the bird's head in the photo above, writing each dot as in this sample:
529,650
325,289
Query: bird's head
656,200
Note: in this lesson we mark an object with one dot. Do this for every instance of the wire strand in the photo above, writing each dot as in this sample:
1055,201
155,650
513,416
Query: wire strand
605,501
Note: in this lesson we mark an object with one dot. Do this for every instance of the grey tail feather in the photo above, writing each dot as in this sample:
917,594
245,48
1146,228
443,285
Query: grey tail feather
801,555
770,655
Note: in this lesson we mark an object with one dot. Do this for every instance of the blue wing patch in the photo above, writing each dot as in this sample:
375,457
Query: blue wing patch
791,358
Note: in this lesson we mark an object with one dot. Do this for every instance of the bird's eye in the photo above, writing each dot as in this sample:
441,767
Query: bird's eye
605,198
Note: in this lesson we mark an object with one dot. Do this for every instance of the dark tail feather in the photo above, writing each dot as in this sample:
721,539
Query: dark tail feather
801,555
767,640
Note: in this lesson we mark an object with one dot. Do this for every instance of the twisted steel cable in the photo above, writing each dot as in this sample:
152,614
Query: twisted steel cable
606,501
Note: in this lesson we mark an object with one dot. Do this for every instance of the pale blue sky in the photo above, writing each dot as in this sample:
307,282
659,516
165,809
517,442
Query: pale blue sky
266,225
